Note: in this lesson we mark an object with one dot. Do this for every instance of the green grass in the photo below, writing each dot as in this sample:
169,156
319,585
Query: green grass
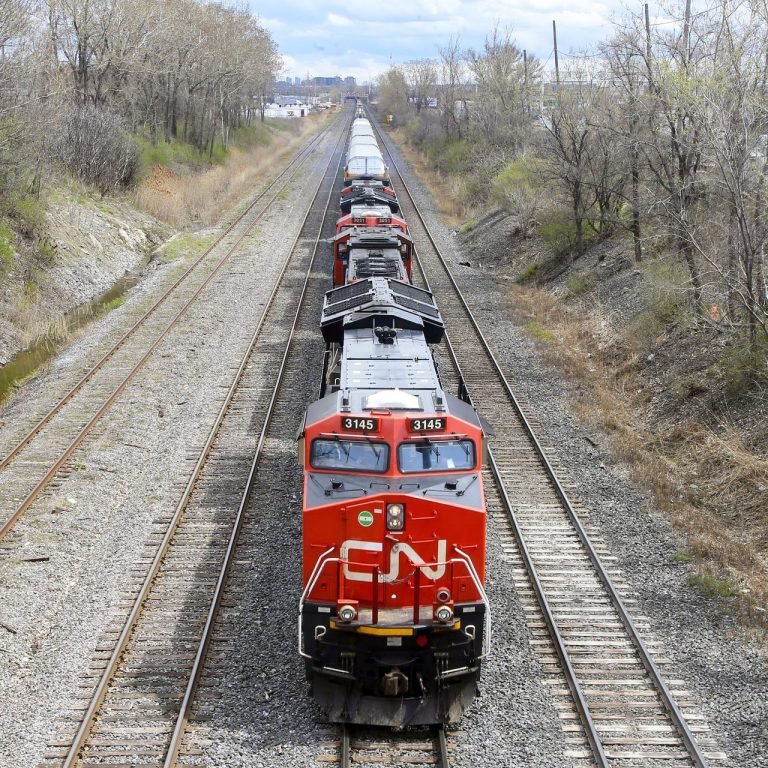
184,245
118,301
177,153
683,557
576,284
6,247
468,226
529,272
539,332
713,586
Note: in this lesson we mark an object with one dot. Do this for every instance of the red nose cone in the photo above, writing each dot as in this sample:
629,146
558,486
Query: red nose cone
422,640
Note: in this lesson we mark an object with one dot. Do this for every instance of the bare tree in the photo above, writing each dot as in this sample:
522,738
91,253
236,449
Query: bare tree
505,83
421,76
454,107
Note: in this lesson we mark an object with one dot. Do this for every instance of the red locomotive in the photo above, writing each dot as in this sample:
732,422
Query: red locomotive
394,621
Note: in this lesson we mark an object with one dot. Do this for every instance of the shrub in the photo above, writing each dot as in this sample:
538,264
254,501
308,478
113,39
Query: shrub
46,251
517,190
6,247
529,272
29,214
93,145
558,231
743,367
577,284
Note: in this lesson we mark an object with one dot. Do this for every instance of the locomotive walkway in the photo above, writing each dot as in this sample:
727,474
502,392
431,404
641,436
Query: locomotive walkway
616,706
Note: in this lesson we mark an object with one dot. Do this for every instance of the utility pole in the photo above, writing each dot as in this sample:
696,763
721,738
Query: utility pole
557,63
526,107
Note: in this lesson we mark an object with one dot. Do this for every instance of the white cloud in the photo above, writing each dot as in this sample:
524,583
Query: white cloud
318,37
339,21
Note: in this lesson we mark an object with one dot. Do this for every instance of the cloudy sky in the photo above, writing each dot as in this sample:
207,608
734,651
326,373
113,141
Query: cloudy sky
362,37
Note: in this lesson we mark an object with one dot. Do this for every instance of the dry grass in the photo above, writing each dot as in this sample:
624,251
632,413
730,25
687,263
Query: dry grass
442,188
202,198
711,487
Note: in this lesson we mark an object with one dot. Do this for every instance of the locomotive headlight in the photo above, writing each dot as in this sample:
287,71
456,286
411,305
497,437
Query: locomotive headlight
443,595
395,517
347,613
444,614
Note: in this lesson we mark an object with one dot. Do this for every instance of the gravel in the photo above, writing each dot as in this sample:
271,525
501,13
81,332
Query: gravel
728,676
94,524
255,706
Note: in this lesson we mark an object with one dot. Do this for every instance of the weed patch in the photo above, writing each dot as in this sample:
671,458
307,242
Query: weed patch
529,272
185,245
576,284
539,332
713,586
6,247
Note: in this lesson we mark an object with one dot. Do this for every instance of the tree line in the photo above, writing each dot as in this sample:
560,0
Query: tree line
661,132
78,76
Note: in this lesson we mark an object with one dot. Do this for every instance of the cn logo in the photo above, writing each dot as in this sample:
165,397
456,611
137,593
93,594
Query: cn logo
351,545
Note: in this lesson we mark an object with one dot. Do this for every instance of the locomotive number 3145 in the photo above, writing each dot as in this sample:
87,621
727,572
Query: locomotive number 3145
359,424
428,425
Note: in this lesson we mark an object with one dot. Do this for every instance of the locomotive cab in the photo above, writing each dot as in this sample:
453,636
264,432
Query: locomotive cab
394,616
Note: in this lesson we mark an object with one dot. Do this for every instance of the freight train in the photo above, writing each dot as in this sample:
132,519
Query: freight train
394,621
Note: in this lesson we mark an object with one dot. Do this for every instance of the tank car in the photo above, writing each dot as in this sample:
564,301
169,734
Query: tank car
393,620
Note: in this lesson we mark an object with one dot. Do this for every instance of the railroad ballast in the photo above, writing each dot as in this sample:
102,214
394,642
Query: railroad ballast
393,619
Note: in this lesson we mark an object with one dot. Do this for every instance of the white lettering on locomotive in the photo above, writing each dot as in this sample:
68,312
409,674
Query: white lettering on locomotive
351,545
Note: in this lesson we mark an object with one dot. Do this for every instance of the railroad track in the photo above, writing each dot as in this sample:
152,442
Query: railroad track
46,448
427,747
615,705
147,667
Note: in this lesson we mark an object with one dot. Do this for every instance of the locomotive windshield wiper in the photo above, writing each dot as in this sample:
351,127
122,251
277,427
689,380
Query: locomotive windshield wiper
336,486
450,486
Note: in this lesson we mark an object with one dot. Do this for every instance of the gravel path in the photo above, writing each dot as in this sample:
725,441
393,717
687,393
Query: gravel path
728,677
94,525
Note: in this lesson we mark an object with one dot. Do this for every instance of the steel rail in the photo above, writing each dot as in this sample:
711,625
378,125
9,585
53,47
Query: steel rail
97,366
442,748
107,404
74,753
183,717
676,716
345,760
571,678
437,734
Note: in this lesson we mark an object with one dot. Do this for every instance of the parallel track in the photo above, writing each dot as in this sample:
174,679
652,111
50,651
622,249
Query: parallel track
143,690
426,747
47,447
627,712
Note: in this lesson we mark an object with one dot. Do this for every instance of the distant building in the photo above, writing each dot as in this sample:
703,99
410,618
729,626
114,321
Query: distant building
350,82
326,80
287,106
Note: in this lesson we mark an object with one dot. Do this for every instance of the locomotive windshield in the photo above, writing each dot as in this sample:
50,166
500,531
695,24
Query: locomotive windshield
436,456
350,455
